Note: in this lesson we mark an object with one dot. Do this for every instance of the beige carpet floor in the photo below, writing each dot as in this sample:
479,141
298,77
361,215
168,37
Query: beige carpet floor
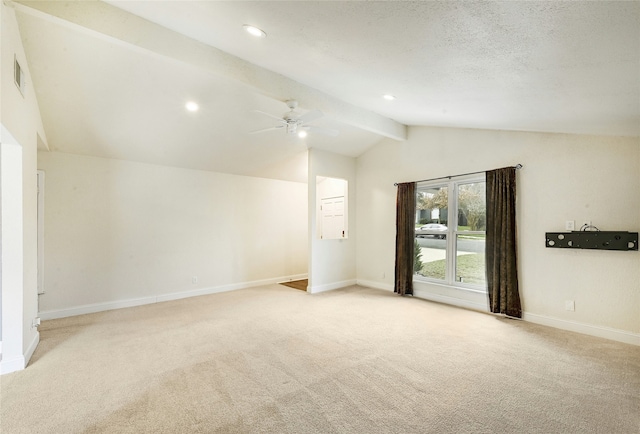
357,360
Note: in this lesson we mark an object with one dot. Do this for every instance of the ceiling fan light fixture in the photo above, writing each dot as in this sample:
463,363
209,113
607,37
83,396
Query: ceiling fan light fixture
388,97
254,31
295,123
192,106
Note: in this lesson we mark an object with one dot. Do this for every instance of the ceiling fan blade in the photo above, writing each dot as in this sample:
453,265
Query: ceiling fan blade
270,115
310,116
320,130
277,127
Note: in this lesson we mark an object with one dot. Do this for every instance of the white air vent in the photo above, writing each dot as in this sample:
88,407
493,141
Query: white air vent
18,76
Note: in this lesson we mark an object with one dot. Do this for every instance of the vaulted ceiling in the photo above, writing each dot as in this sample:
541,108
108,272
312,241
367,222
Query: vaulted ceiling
112,77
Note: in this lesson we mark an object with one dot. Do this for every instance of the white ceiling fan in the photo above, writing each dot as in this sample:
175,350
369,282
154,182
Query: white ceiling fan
295,123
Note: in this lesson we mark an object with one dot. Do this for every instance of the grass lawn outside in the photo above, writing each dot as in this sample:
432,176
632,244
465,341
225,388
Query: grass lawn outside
471,268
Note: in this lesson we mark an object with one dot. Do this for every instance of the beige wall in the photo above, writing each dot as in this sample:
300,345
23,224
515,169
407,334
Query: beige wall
332,263
119,232
565,177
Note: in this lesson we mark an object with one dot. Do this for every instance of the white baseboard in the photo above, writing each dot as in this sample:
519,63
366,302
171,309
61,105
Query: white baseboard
587,329
12,365
426,295
18,363
225,288
453,301
330,286
95,307
375,285
294,277
119,304
31,348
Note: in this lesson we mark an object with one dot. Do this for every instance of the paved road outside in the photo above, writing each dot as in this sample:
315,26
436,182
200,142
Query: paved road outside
433,249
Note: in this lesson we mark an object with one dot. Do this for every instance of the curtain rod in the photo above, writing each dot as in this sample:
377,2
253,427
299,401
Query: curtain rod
517,166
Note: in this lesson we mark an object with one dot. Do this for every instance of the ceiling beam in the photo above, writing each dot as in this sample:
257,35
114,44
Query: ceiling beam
106,21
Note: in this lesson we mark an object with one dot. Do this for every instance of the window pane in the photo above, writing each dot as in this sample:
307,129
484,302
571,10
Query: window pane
472,207
470,266
431,232
432,206
431,256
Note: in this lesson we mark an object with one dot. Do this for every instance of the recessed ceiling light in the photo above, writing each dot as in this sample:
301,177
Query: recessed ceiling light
254,31
302,134
389,97
192,106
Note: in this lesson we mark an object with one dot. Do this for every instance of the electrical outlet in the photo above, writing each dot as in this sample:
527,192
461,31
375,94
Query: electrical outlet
570,225
194,279
570,305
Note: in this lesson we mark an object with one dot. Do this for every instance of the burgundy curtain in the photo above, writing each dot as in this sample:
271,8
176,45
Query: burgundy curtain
405,233
501,257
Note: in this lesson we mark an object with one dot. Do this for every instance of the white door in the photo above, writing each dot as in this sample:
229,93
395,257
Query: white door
333,218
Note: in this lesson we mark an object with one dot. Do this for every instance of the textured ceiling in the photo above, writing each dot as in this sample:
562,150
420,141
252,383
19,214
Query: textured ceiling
540,66
114,85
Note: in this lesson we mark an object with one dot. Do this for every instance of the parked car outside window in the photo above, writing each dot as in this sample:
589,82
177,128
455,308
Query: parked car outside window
435,230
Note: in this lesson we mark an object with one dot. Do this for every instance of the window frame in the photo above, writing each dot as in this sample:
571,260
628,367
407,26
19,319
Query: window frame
452,233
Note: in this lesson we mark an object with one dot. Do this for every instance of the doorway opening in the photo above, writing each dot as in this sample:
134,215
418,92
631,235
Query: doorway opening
297,284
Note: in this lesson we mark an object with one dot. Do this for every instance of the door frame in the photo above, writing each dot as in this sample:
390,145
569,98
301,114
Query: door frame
40,175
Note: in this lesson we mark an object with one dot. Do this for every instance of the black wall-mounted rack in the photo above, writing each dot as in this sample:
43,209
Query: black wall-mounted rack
599,240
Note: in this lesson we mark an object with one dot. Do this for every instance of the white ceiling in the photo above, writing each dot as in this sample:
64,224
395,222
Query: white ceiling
114,85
